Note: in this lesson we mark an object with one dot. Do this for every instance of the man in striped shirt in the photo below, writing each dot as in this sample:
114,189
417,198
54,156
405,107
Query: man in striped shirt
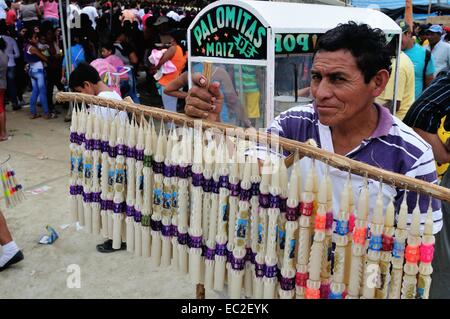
424,117
351,68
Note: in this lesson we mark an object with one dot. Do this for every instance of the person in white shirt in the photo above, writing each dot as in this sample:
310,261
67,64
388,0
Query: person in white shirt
85,79
73,13
91,11
173,15
440,50
3,7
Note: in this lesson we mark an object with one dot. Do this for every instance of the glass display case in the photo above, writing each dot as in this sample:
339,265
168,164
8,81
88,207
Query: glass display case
262,52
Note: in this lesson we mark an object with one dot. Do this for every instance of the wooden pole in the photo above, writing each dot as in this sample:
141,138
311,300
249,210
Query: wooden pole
409,13
332,159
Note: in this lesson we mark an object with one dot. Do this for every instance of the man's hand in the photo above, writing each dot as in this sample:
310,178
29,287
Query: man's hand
204,101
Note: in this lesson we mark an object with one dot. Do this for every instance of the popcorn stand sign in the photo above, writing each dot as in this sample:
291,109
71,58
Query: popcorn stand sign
229,32
261,52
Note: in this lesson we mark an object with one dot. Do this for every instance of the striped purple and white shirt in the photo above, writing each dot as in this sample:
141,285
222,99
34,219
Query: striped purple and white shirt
393,146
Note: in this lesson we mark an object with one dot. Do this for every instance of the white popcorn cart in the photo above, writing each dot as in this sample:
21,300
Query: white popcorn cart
262,51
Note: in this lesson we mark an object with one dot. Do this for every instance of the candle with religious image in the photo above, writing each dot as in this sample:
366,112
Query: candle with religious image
155,219
412,256
96,187
131,184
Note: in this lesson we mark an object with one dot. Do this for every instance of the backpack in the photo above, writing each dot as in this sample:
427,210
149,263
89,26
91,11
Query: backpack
108,74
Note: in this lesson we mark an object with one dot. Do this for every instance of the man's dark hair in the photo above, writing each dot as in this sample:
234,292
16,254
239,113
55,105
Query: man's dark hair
367,45
83,72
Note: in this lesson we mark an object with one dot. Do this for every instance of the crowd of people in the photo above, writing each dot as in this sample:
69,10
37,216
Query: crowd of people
117,38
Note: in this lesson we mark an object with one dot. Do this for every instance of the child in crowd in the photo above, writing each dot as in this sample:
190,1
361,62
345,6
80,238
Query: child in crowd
85,79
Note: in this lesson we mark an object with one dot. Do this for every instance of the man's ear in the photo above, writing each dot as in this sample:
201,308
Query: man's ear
379,82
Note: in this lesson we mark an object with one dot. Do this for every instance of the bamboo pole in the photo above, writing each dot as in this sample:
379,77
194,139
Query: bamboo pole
332,159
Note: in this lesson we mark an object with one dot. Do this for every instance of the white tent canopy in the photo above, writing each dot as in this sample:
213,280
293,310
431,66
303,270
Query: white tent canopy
286,17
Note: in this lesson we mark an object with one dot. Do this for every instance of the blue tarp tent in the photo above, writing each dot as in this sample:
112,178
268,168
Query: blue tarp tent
389,4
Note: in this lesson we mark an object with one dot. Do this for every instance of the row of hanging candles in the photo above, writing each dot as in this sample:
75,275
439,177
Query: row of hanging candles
222,221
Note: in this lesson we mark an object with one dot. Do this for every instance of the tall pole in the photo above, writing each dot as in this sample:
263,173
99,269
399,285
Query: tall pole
409,13
63,32
69,37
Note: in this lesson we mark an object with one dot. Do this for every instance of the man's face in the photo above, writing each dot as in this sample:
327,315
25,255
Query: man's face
433,37
338,87
87,88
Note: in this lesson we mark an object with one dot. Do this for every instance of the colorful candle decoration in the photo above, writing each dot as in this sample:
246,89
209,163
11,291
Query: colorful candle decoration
233,200
104,176
372,267
74,155
176,155
111,175
166,230
213,222
426,257
88,172
386,251
254,218
264,204
221,239
96,182
156,217
288,271
412,256
147,174
242,228
183,204
209,215
317,249
211,208
342,230
351,226
398,251
139,189
359,236
271,257
315,193
195,224
304,237
281,233
325,275
130,183
81,131
119,187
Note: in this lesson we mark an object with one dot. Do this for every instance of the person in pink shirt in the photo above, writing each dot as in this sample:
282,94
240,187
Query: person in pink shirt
130,14
108,51
148,13
50,10
11,15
